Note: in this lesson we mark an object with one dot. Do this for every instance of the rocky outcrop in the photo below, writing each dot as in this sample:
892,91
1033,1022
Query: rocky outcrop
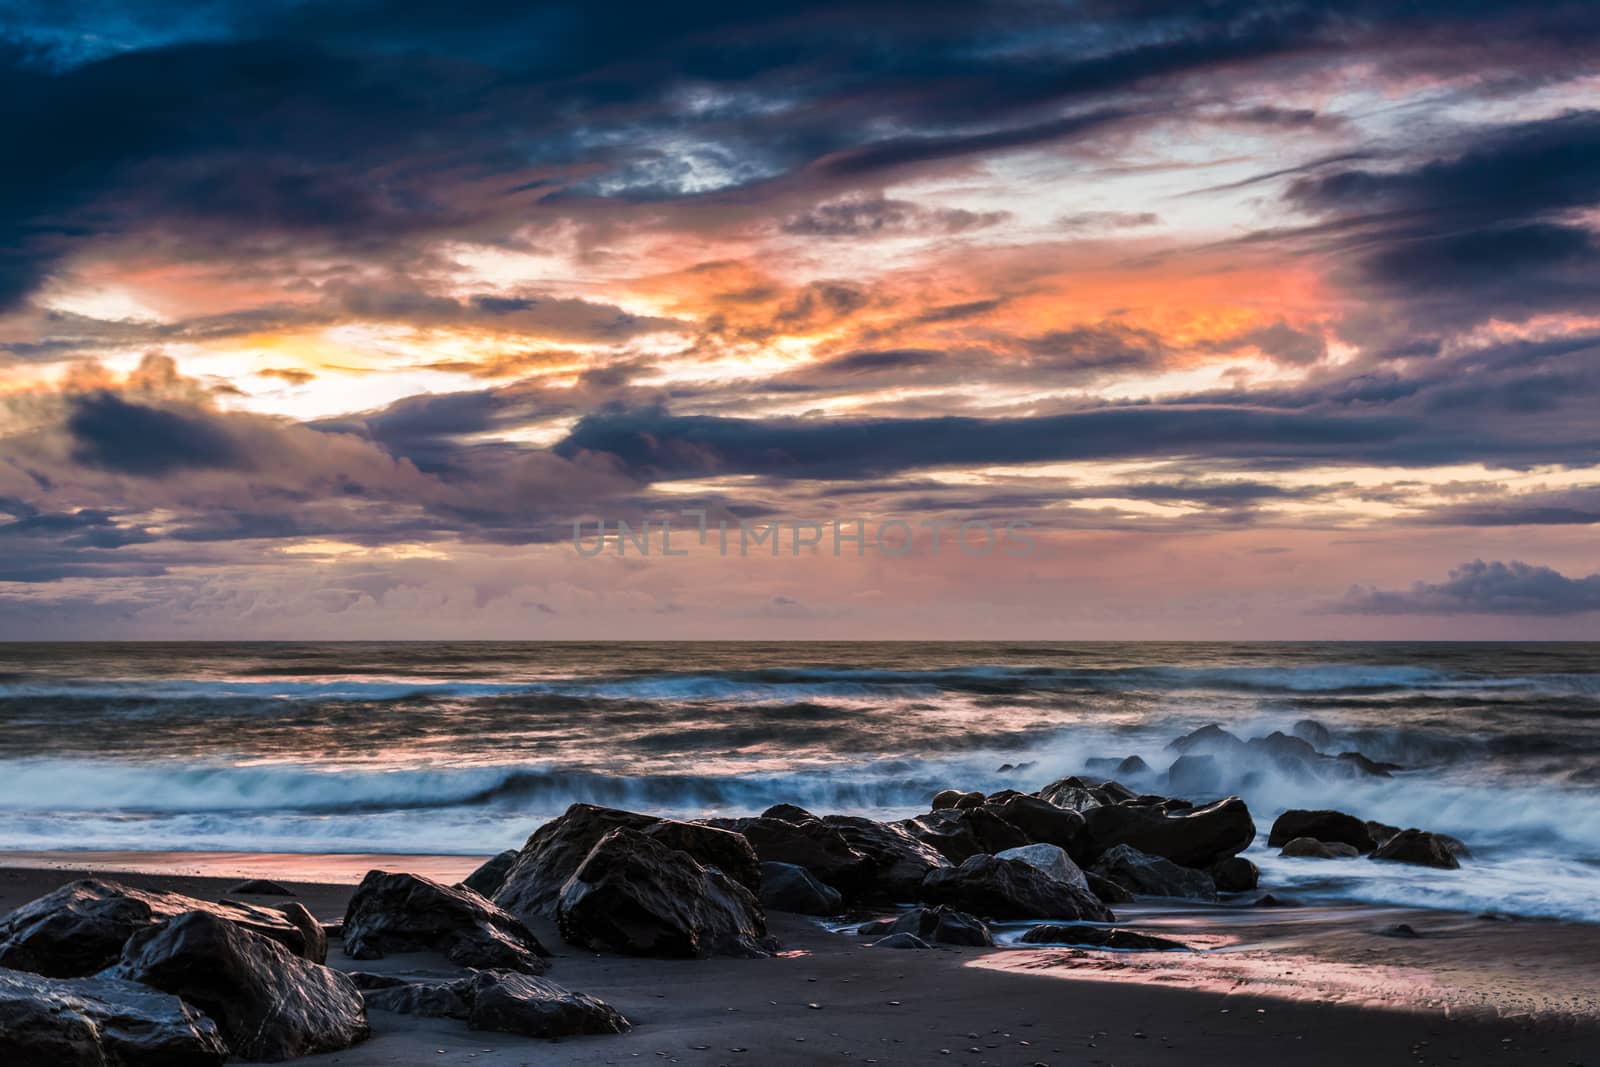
1311,848
1322,825
100,1022
1198,837
899,862
503,1001
1152,876
1052,860
1009,889
960,833
1100,937
786,887
489,877
1418,847
269,1004
634,895
395,912
81,927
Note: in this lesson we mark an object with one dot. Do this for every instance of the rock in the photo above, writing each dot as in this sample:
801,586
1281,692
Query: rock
1201,837
943,925
1404,930
634,895
1194,774
1322,825
1313,732
901,941
1041,821
1235,875
391,913
787,887
81,927
1286,750
1311,848
503,1001
1369,767
1131,767
1381,831
488,878
875,928
1152,876
1210,740
1099,937
261,887
1269,901
788,813
316,945
269,1004
959,833
1458,848
729,852
955,798
899,862
1052,860
1107,891
1074,794
100,1022
814,845
1419,848
1010,889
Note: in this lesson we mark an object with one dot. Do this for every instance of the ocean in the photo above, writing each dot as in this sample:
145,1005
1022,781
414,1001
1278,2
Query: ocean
464,748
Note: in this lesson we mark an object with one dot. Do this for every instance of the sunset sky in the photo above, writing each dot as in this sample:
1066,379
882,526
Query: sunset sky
1274,319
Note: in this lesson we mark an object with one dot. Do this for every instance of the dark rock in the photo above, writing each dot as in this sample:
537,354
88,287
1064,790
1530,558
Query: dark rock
1152,876
81,927
391,913
1458,848
1286,750
901,941
489,877
875,928
1009,889
270,1005
1107,891
100,1022
506,1002
1210,740
1322,825
1270,901
728,852
1072,793
1052,860
1314,733
434,1000
261,887
786,887
899,862
1404,930
943,925
316,944
1312,849
634,895
1003,795
1235,875
1381,831
1419,848
788,813
956,798
959,833
553,852
366,980
814,845
1201,837
1132,767
1099,937
1194,774
1041,821
1369,767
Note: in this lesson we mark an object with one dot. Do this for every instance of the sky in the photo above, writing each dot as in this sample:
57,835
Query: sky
1254,318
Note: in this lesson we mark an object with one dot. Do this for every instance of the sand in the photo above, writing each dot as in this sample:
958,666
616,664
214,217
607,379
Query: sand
1292,986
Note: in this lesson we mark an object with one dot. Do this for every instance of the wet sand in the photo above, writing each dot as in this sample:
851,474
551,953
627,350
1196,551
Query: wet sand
1290,986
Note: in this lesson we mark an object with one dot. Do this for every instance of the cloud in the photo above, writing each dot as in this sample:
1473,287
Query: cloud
878,215
1480,588
111,434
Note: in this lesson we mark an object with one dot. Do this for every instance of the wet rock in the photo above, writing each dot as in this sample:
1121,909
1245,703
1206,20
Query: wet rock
1285,750
81,927
959,833
634,895
261,887
729,852
1312,849
899,862
1201,837
1322,825
270,1005
901,941
786,887
1314,733
1130,767
943,925
503,1001
100,1022
1458,848
1194,774
1041,821
788,813
956,798
875,928
1419,848
1072,793
316,945
433,1000
1235,875
489,877
394,913
1211,740
1380,831
1107,891
1369,767
814,845
1145,875
1051,859
1268,900
1008,889
1099,937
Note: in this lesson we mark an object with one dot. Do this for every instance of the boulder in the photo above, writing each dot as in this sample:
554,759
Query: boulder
1369,767
489,877
899,862
1042,821
1210,740
1200,837
1131,767
1052,860
316,944
100,1022
1417,847
1152,876
788,813
786,887
269,1004
81,927
1010,889
875,928
955,798
392,913
260,887
1194,774
814,845
434,1000
1106,890
1322,825
728,852
1313,733
1074,794
1381,831
1235,875
944,926
1099,937
1311,848
504,1001
959,833
901,941
634,895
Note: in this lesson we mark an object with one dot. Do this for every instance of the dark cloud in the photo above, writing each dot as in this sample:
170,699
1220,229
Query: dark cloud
1480,588
112,434
870,216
